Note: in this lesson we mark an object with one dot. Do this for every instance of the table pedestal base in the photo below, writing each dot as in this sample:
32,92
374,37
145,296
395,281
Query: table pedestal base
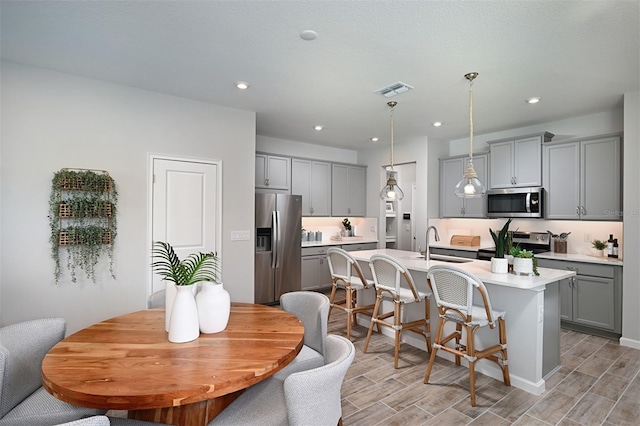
195,414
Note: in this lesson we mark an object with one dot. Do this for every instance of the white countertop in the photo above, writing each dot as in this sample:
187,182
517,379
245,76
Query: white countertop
479,268
336,242
574,257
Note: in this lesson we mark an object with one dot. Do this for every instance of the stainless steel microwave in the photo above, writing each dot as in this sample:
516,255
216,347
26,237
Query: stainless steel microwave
515,202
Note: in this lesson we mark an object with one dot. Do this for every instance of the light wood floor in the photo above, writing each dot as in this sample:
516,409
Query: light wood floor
599,384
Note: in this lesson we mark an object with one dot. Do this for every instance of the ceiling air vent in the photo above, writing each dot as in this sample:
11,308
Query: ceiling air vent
393,89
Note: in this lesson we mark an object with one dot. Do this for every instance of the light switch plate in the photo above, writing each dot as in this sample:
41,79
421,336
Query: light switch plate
240,235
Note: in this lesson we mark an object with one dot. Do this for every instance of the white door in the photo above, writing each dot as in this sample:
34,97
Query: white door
186,207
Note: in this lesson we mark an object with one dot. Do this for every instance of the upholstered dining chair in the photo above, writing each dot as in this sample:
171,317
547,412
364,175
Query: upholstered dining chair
23,400
305,398
453,290
347,275
108,421
312,309
156,300
394,284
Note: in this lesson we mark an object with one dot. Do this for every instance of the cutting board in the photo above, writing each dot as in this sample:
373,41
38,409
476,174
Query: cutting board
465,240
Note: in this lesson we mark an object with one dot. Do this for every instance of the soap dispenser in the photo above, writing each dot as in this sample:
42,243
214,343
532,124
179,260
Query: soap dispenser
610,246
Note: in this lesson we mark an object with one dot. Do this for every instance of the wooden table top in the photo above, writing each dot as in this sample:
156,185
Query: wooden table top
127,362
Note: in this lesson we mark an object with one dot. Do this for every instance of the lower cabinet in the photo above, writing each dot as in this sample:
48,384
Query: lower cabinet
591,301
315,268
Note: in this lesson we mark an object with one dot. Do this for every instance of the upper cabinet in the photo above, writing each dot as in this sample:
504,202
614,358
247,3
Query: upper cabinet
312,180
583,179
273,172
451,171
517,162
348,190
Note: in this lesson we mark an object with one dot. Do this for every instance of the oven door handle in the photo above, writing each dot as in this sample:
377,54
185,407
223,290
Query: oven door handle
528,202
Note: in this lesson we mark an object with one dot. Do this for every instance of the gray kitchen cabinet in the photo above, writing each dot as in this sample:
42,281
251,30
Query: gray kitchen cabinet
316,274
517,162
451,171
359,246
273,172
583,178
312,180
348,190
591,301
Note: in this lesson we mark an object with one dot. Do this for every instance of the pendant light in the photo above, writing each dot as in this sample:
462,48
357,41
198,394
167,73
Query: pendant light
470,186
391,190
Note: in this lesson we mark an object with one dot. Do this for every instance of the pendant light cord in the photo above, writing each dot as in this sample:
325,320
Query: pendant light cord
471,121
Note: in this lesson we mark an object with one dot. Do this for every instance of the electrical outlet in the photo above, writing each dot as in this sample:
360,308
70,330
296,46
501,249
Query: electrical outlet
240,235
373,228
587,237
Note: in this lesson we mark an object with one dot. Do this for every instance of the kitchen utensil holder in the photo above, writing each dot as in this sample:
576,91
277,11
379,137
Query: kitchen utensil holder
560,246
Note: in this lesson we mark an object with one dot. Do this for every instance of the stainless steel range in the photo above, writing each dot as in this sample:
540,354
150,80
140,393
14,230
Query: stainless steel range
537,242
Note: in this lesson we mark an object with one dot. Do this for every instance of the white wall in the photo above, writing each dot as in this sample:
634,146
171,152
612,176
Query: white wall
52,120
305,150
588,125
631,218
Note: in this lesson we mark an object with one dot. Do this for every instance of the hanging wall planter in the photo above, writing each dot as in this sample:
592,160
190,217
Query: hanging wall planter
82,218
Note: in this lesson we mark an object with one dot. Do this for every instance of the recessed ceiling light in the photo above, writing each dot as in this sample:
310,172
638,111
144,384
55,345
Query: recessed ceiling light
308,35
533,100
318,127
242,85
374,139
437,123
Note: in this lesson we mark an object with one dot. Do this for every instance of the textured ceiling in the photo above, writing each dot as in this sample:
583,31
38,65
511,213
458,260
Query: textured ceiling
580,57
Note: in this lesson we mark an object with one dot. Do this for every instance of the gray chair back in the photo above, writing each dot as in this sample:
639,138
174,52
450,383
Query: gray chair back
89,421
313,396
312,309
22,349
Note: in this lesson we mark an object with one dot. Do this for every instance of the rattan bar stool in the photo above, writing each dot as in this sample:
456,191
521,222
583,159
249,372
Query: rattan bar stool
389,277
346,274
453,290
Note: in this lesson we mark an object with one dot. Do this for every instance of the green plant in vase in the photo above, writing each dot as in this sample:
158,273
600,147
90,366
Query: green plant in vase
195,268
519,253
347,226
501,239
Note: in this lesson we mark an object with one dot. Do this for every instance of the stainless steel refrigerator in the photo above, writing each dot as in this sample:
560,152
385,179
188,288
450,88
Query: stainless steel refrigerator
278,253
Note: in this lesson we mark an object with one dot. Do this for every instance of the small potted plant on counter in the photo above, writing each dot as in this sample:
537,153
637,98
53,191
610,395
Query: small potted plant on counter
499,264
600,246
347,227
524,262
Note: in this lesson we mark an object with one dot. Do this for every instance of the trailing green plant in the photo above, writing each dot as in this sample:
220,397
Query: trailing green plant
82,218
599,245
501,239
525,254
346,224
195,268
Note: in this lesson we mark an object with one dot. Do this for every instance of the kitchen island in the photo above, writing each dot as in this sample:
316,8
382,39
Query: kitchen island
532,304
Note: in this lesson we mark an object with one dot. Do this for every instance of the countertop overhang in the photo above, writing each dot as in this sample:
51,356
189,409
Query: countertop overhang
481,269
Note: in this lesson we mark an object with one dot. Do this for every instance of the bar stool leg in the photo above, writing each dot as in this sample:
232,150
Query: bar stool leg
434,349
374,317
397,310
349,310
502,328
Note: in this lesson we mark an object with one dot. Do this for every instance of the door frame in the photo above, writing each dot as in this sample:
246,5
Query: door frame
151,157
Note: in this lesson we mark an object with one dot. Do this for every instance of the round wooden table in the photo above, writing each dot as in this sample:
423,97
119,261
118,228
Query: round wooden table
127,363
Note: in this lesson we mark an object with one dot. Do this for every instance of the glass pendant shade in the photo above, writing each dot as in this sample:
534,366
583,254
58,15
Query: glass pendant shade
391,190
470,186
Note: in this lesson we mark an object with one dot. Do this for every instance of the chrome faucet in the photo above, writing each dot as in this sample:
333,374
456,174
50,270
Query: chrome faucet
436,236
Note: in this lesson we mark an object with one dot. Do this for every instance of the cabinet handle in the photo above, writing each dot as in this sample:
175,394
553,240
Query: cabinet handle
349,210
266,182
311,210
578,210
584,211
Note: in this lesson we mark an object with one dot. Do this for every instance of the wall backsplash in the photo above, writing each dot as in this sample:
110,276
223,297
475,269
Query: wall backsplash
330,226
582,232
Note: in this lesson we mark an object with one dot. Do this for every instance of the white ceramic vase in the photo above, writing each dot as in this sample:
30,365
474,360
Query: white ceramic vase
523,266
499,265
169,298
183,325
214,306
